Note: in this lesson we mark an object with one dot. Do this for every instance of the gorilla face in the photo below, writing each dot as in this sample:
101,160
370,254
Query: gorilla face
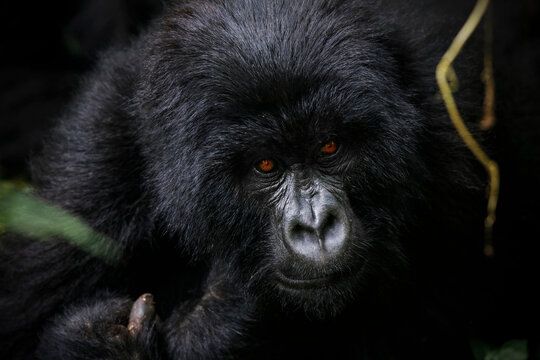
298,153
326,194
317,241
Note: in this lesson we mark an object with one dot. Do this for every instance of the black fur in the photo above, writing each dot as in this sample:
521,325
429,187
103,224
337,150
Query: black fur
157,153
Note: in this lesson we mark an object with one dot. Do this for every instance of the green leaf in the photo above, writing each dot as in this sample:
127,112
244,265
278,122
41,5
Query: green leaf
511,350
32,217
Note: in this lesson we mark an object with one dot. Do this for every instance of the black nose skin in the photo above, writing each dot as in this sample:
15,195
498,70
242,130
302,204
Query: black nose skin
316,226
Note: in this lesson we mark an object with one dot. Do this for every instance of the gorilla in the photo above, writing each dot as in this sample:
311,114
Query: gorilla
283,180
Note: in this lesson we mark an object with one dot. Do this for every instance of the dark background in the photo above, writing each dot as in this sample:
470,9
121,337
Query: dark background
45,47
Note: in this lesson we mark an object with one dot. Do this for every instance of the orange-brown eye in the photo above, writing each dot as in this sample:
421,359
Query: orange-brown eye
266,165
329,148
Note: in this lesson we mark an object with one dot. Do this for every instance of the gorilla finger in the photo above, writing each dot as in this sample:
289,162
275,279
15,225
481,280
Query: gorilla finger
143,313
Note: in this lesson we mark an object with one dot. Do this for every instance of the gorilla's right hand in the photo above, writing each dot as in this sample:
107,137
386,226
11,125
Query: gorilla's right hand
108,328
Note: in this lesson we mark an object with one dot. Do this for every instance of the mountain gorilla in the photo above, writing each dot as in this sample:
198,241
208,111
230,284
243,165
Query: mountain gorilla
284,182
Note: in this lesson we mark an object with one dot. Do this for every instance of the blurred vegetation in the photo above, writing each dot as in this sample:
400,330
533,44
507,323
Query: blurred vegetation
25,214
511,350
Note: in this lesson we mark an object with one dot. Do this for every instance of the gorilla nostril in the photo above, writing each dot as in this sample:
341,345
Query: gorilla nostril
329,224
299,229
303,240
301,234
333,232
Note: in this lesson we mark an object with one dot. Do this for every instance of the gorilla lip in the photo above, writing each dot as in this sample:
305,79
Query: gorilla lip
307,283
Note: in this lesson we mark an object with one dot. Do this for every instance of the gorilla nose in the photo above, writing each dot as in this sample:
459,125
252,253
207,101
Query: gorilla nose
317,235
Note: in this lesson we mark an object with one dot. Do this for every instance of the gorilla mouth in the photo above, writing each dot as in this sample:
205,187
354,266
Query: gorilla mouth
310,283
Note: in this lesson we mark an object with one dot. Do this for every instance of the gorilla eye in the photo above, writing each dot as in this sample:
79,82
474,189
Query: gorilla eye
266,165
329,148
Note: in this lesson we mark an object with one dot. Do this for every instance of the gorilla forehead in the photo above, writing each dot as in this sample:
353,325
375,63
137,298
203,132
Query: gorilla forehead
268,30
250,51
